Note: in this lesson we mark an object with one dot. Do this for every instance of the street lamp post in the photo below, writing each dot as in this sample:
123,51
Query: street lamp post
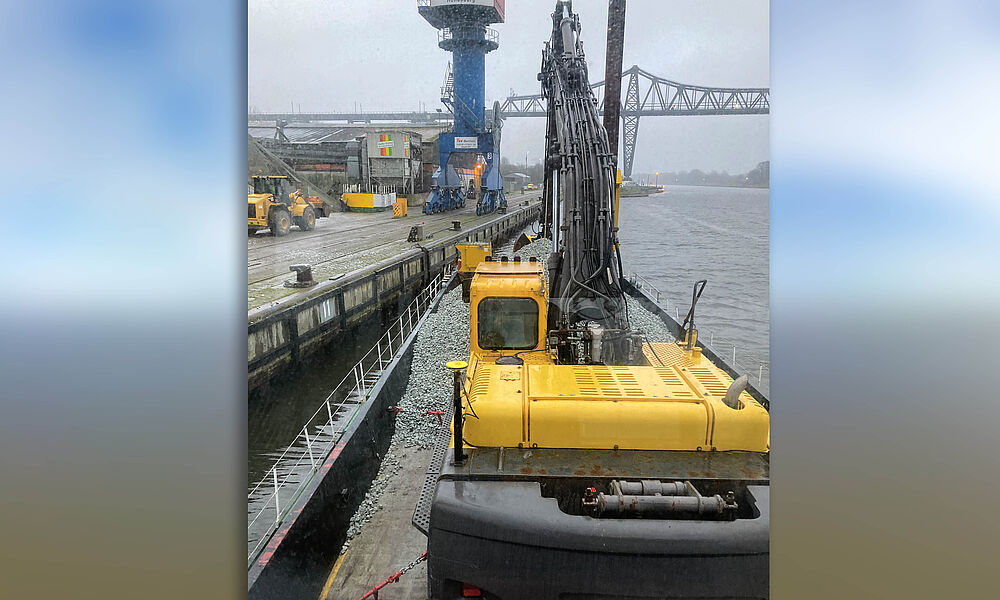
526,168
657,178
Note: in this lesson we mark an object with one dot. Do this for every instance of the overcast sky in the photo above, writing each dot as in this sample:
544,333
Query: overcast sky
337,55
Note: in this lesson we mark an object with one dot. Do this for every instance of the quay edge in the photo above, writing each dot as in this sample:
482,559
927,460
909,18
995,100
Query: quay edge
283,333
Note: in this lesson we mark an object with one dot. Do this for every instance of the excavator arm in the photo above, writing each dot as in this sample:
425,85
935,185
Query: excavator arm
588,320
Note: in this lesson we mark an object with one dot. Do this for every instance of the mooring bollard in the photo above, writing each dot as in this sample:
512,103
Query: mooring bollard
303,277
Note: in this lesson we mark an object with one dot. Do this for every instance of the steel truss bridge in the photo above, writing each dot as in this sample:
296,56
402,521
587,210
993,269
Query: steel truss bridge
646,96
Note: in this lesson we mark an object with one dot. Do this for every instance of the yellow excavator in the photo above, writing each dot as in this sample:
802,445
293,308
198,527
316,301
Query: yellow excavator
584,460
272,205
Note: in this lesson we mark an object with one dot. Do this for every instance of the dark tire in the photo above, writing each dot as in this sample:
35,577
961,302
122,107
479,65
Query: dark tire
307,222
251,232
281,222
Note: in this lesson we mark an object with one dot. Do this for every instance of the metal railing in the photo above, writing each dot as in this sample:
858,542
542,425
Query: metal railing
757,372
491,35
298,464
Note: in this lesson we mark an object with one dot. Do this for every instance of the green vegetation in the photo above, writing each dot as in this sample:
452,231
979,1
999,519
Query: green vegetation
759,177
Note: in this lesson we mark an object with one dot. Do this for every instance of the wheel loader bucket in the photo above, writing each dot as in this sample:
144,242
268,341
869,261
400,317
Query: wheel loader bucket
523,241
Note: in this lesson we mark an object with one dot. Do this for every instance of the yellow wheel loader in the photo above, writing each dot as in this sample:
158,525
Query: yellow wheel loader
272,206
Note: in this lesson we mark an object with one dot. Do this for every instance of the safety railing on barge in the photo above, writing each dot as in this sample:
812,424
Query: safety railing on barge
269,502
760,369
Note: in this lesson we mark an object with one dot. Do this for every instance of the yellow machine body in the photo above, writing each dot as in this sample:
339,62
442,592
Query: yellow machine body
672,402
258,210
471,255
269,197
368,202
399,208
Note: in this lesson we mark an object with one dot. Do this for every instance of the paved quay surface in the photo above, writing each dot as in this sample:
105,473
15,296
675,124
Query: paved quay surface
343,242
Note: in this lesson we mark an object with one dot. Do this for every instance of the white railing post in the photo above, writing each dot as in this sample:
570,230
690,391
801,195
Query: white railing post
361,380
277,506
760,374
329,413
378,347
734,356
312,461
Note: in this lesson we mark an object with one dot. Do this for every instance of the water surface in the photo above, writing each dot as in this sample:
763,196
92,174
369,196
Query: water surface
687,233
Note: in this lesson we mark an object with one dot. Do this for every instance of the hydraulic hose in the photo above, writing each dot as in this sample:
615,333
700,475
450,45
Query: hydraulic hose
580,151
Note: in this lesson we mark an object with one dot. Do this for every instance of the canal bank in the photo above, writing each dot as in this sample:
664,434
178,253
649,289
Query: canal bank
283,333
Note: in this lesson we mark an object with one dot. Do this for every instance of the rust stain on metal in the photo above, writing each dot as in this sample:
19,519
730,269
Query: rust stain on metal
526,470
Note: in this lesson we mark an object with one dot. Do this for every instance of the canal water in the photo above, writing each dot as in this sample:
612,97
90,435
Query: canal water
277,411
687,233
673,239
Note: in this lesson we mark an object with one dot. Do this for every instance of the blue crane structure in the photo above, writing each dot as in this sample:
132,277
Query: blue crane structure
462,30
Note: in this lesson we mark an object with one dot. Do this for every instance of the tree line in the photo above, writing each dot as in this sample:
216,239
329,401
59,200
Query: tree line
759,176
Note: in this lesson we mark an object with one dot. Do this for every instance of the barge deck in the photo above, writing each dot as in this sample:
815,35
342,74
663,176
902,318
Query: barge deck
388,542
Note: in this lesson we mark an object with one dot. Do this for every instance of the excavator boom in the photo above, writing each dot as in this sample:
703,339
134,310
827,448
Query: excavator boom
588,318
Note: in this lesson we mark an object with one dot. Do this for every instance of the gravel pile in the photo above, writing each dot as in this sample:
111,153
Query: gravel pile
650,324
506,247
538,249
443,337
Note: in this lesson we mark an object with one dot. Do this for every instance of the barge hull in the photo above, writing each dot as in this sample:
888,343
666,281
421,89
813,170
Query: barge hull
297,558
506,539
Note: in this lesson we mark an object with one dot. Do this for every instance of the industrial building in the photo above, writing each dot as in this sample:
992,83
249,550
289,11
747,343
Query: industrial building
515,181
339,157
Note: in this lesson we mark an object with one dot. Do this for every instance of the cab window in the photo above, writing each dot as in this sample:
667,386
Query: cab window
507,323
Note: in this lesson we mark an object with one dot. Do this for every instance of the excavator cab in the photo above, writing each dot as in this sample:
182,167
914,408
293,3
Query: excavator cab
508,308
270,184
276,206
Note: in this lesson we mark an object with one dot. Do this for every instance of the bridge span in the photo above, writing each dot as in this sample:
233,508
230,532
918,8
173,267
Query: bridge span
646,95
